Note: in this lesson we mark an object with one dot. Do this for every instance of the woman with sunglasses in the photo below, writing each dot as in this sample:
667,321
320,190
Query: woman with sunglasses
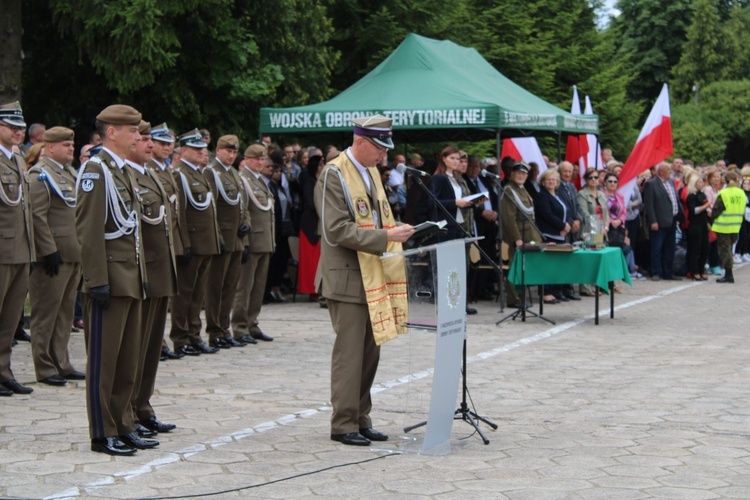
593,206
617,234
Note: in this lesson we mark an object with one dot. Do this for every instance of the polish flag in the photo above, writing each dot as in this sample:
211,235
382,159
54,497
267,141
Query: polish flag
576,151
653,145
594,151
526,149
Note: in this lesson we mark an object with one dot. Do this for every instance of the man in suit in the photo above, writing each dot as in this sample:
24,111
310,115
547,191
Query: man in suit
157,236
234,224
53,284
197,201
662,206
17,239
568,194
163,140
261,244
114,281
356,222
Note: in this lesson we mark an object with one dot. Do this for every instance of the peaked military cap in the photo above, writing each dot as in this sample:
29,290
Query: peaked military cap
522,166
192,139
12,114
162,134
377,128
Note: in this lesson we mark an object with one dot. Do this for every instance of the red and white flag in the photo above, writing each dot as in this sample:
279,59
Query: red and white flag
526,149
594,149
654,145
576,151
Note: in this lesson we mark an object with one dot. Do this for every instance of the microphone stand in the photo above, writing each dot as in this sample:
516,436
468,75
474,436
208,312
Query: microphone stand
523,310
463,412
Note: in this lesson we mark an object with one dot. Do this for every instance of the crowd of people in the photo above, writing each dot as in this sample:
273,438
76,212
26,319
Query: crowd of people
148,223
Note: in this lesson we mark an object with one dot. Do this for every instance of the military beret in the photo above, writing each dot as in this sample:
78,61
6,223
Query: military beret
120,114
192,139
144,128
58,134
162,134
12,114
256,151
228,142
377,128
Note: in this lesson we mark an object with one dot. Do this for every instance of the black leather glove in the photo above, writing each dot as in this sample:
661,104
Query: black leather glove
100,295
243,230
245,255
222,247
52,263
184,260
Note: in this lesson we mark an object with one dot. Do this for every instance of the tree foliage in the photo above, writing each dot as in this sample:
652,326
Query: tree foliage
698,136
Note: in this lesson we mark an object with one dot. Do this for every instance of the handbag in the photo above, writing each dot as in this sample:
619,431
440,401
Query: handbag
616,236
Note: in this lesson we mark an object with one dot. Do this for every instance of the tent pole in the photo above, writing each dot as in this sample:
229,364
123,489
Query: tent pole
559,150
499,241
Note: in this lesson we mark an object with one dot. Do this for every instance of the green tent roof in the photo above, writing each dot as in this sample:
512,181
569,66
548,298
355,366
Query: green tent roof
432,88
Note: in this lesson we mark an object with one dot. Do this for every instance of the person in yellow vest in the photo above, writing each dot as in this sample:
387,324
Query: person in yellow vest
366,296
728,212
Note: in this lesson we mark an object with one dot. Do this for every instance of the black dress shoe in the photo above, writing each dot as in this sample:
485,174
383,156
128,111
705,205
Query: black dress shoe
17,388
562,298
154,424
725,279
5,392
673,278
219,343
188,350
73,329
55,380
204,349
143,431
134,441
248,339
234,343
261,336
373,435
353,438
551,301
162,357
22,335
111,446
470,310
75,375
167,354
572,296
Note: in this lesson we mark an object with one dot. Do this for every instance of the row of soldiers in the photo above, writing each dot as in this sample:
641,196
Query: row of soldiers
134,234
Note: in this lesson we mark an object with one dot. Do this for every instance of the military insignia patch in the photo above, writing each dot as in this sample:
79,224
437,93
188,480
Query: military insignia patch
386,209
87,185
362,209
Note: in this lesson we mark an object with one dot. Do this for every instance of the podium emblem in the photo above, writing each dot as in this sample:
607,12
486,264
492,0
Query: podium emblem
454,288
362,207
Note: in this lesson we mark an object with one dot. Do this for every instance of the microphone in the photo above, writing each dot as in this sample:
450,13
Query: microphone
413,171
487,173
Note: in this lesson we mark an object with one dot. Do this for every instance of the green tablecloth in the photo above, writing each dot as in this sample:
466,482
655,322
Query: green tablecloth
582,266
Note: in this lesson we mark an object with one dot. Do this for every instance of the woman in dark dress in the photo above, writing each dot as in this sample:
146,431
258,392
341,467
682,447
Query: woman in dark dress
553,220
451,190
697,237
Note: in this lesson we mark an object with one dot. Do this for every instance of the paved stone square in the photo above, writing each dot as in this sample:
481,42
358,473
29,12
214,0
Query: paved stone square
655,403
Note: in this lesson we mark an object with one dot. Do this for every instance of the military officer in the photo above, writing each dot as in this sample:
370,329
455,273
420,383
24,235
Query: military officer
114,280
261,244
234,223
53,284
356,222
197,201
17,239
163,146
156,231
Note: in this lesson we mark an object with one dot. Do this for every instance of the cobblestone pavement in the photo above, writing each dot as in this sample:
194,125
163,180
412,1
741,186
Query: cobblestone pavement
655,403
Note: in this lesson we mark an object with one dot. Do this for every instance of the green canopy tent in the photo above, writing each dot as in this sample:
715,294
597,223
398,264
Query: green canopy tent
433,90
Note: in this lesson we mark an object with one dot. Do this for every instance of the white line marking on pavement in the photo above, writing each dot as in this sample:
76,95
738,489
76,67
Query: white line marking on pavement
287,419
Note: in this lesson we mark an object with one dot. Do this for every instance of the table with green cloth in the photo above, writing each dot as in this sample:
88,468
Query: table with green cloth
601,267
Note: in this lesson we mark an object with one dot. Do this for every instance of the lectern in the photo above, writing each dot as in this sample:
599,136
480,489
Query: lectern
436,285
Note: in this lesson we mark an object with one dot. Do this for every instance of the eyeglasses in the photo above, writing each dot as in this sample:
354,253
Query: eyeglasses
593,178
377,146
612,181
13,128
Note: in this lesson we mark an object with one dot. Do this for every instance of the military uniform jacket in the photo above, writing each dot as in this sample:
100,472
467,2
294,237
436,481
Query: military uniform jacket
109,257
514,227
16,226
230,216
172,190
53,198
262,237
200,212
156,231
339,276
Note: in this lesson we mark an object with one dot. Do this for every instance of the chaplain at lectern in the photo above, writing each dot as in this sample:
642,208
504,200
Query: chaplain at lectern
366,296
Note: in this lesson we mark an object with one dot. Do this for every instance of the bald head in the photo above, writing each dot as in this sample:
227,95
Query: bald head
663,170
